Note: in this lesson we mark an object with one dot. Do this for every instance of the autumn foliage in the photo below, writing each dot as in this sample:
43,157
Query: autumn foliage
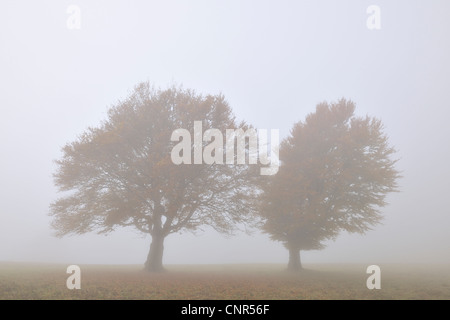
336,170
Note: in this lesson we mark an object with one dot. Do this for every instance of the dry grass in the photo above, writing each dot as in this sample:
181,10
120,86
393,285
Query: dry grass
41,281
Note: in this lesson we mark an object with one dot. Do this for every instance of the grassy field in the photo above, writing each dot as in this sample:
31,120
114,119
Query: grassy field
257,281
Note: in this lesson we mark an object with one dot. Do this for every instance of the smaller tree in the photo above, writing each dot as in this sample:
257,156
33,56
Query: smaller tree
335,173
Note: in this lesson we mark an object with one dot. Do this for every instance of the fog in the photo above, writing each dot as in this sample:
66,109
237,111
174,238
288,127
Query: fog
273,61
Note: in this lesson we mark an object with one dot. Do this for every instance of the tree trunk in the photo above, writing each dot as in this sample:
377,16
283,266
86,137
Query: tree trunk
295,263
155,255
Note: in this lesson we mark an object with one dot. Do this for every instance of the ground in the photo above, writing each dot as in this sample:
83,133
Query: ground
256,281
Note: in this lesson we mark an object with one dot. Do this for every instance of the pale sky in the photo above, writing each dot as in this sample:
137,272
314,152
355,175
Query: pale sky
273,61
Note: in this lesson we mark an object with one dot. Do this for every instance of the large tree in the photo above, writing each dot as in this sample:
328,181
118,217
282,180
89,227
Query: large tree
335,173
121,173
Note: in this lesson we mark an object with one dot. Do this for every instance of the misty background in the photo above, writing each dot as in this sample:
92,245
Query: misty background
273,61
